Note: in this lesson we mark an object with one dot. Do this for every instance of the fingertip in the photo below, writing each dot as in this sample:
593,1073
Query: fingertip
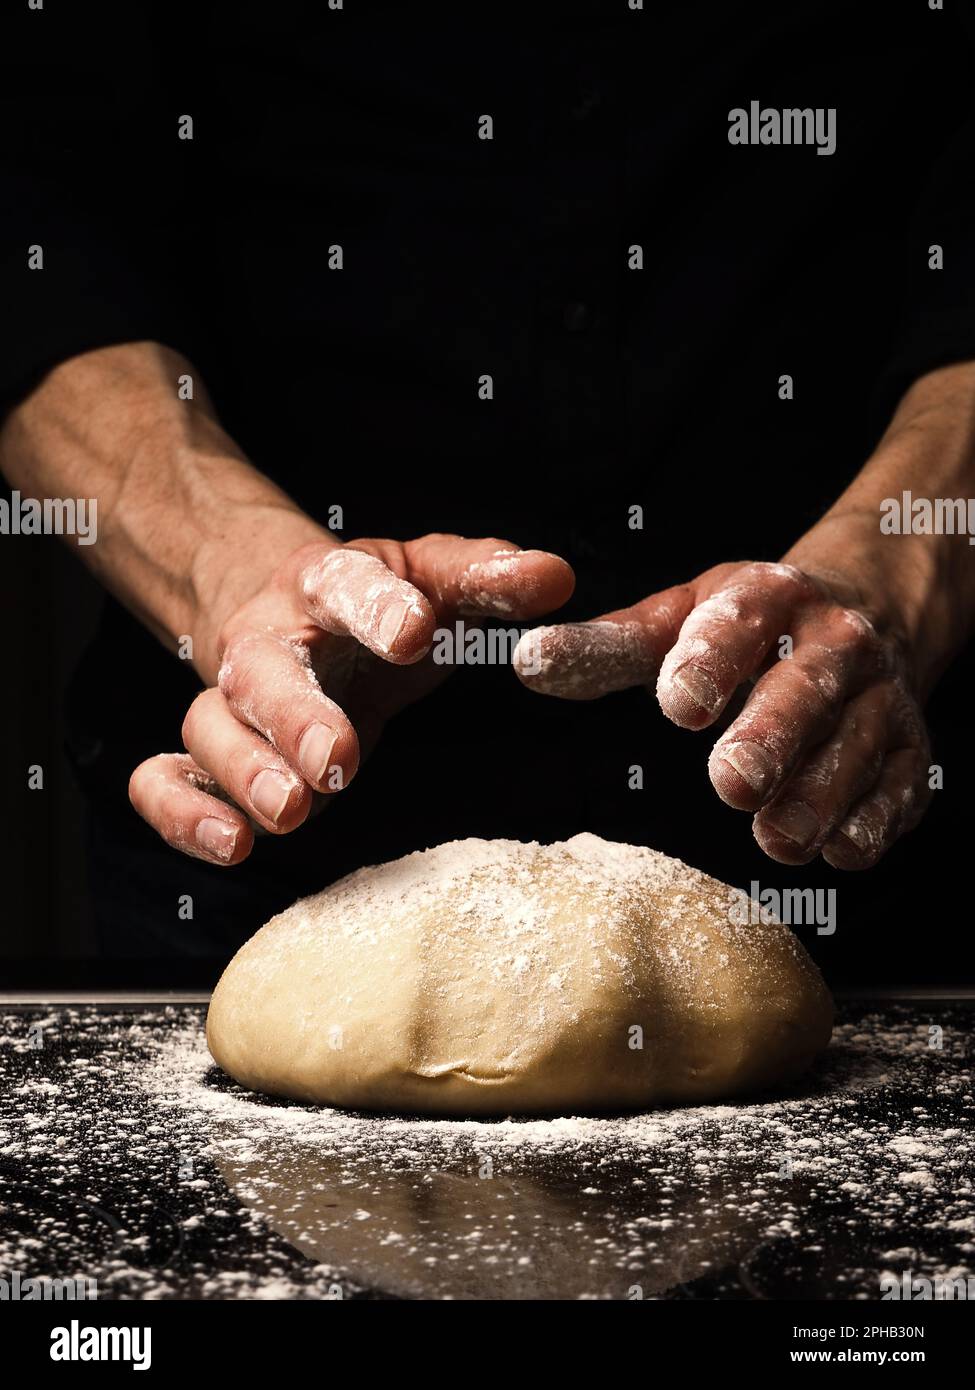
529,660
778,846
840,852
560,578
351,592
516,583
221,841
404,631
857,844
344,763
688,696
540,582
328,755
280,801
741,773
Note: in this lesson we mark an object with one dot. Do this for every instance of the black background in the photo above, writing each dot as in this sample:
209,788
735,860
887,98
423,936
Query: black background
358,389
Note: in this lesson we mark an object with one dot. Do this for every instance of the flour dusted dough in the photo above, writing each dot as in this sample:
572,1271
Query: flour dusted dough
491,977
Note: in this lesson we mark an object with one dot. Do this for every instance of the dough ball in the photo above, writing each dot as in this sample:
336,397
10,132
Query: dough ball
491,977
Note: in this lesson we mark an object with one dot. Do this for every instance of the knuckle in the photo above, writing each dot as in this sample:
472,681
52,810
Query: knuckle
227,634
150,771
235,667
906,719
735,604
779,578
858,632
815,684
137,780
195,716
865,728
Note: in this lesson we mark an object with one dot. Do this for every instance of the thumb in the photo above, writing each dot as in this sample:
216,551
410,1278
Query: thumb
581,661
487,577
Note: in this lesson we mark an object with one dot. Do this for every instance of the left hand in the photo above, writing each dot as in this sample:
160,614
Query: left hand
830,752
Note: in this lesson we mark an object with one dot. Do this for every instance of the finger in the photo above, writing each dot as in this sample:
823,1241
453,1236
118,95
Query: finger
794,707
893,806
488,577
725,640
351,593
268,683
176,798
244,764
818,795
581,661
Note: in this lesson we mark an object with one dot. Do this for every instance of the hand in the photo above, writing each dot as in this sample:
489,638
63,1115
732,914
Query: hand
830,751
333,643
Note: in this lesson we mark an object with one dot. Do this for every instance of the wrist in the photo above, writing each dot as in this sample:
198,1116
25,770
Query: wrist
915,581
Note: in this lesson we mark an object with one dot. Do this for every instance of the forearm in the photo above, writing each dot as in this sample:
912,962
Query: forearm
187,528
922,587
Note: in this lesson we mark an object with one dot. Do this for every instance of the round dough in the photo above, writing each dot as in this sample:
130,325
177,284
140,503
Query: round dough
491,977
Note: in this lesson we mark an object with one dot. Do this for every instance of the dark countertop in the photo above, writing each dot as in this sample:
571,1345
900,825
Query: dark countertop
125,1155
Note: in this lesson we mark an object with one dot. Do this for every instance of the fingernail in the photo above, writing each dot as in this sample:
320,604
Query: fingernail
796,821
216,837
699,686
861,833
391,624
314,751
750,761
269,793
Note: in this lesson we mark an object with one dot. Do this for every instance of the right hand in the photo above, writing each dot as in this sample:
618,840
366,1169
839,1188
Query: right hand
311,667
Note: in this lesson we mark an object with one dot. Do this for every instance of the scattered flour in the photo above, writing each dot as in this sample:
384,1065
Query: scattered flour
126,1156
